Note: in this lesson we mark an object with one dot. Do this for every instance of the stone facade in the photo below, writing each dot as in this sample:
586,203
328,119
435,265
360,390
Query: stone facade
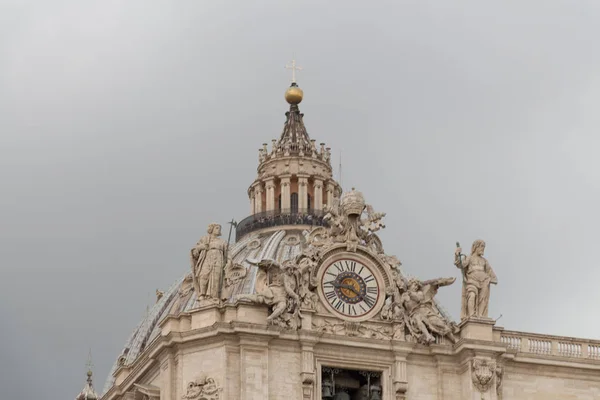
307,305
249,360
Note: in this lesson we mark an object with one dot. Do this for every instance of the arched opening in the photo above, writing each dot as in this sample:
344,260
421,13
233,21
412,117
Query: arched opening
294,203
308,203
279,202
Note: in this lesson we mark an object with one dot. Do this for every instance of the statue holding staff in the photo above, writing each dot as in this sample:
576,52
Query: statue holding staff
478,275
208,259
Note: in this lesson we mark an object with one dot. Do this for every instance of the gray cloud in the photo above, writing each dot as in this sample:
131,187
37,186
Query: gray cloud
126,127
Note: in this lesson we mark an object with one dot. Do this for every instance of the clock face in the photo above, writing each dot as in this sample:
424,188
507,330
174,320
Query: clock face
350,287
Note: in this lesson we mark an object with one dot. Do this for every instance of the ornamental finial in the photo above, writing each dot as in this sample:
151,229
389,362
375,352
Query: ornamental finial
294,68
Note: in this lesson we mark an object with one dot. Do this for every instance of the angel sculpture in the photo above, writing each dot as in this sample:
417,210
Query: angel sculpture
278,287
423,316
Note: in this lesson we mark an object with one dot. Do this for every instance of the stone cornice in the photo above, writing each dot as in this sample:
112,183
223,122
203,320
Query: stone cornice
236,333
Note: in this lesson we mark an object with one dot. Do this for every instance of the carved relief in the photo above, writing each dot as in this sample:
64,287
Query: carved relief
347,224
483,372
253,245
233,274
499,376
203,388
353,329
478,275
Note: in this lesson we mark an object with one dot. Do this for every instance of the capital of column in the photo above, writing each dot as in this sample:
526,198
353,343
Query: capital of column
270,183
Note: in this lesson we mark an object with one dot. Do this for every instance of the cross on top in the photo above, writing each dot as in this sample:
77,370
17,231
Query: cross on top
294,68
89,363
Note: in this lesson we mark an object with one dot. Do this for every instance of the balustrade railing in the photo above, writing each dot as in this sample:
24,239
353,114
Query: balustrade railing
268,219
551,345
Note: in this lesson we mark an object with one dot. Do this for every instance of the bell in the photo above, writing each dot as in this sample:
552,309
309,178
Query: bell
326,393
375,392
341,396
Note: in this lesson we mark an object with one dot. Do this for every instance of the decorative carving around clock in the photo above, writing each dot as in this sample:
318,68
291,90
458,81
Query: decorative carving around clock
351,286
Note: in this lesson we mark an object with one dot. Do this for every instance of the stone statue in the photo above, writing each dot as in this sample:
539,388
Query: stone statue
286,288
208,259
411,306
423,316
277,287
477,277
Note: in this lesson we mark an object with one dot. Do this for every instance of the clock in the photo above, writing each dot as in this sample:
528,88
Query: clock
351,288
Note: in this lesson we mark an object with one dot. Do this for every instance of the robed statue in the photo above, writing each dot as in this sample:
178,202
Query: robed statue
478,275
208,259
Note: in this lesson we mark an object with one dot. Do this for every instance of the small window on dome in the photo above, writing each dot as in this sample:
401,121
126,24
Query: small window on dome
294,203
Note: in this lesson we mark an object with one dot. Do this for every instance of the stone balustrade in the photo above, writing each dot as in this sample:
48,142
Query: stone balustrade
551,345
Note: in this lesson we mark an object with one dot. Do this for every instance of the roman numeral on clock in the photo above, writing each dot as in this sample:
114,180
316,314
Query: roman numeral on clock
369,279
330,295
351,309
370,301
340,305
372,290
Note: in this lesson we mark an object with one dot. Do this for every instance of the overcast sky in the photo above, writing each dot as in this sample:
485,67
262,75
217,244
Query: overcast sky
127,126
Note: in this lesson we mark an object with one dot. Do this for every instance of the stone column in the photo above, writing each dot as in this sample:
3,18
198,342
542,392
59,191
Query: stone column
302,192
252,205
318,194
285,192
270,189
258,199
330,189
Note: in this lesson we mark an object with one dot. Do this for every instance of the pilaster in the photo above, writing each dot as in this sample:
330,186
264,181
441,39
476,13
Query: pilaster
302,192
330,191
167,374
400,377
270,190
252,205
318,194
254,368
258,190
285,192
308,375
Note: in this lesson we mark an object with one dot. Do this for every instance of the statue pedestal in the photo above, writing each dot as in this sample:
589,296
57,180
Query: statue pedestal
477,328
252,313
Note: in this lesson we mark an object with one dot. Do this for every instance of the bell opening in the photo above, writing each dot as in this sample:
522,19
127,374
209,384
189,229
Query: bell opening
348,384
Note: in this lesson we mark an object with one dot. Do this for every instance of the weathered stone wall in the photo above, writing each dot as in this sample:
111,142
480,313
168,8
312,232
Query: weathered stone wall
549,383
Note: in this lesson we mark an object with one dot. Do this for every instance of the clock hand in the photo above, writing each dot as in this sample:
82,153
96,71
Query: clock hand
342,286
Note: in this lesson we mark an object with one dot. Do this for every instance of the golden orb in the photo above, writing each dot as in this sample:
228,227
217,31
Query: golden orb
294,95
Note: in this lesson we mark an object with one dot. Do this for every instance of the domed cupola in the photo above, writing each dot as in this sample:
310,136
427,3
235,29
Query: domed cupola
295,177
88,392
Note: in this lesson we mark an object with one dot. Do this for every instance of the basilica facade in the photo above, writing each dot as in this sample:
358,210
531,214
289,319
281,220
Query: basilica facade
308,304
